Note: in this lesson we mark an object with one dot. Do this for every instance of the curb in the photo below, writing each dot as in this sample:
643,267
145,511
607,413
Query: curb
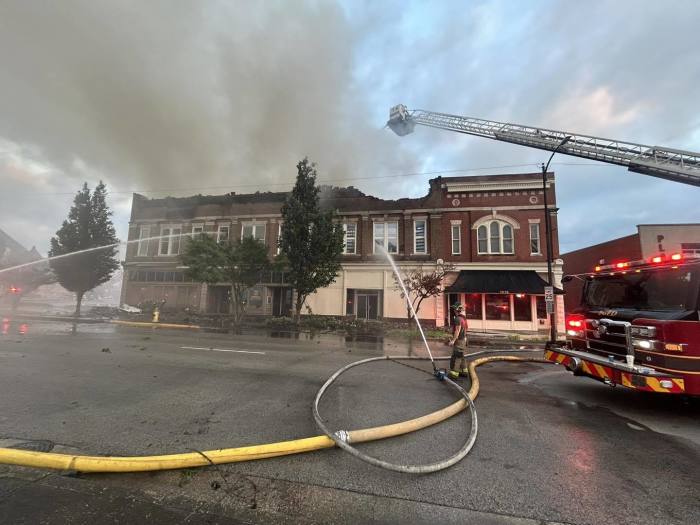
143,324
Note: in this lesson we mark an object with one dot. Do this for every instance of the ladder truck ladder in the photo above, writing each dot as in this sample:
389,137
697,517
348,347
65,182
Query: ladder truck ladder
657,161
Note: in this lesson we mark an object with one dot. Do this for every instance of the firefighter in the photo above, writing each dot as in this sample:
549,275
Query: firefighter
459,335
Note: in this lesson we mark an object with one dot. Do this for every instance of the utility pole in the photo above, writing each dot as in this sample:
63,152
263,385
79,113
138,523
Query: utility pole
549,297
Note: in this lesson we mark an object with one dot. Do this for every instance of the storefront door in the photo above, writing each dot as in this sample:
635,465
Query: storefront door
367,305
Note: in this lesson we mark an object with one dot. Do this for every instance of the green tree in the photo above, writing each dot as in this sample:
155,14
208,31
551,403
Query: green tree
311,241
239,263
88,236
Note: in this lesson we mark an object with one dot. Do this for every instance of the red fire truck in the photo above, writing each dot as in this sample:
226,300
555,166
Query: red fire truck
638,325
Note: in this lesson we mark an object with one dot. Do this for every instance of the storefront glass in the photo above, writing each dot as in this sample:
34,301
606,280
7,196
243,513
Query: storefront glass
522,310
472,305
498,307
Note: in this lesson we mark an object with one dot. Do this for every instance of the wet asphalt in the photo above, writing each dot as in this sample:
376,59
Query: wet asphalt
551,447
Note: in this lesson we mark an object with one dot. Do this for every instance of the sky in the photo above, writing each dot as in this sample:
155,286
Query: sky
180,98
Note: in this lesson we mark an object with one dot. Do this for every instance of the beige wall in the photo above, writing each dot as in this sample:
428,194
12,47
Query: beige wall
674,235
175,295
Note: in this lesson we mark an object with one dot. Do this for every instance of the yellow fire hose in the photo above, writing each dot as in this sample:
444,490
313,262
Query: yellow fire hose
231,455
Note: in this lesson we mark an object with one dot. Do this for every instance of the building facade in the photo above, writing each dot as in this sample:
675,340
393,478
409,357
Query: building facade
649,241
490,228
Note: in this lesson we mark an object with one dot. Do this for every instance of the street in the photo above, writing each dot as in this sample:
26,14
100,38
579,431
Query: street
551,447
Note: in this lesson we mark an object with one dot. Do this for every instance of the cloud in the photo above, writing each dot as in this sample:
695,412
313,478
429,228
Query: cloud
167,95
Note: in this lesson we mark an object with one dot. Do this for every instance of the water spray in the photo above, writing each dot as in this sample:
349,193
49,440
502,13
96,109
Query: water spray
410,305
94,249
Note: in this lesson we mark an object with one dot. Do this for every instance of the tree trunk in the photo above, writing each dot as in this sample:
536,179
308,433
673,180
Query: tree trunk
78,302
297,308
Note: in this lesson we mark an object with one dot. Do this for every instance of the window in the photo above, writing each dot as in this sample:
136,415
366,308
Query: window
256,231
690,248
144,233
535,239
495,237
386,234
456,240
483,242
507,238
279,237
350,237
498,307
197,230
222,234
419,244
170,240
472,305
522,308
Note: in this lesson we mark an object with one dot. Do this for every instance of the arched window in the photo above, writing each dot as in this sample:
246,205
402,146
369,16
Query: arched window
495,237
507,238
483,240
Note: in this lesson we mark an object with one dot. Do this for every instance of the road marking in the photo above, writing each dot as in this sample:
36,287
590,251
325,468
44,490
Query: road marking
222,350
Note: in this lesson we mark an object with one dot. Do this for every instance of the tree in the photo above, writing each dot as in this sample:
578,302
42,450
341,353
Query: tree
89,237
420,285
239,263
310,240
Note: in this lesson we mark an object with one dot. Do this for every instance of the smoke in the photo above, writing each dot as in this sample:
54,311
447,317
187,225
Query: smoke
162,94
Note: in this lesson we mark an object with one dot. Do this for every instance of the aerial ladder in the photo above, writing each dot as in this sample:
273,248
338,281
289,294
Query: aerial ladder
657,161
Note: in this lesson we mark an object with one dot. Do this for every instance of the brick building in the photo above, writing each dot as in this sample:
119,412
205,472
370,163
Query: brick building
649,241
490,227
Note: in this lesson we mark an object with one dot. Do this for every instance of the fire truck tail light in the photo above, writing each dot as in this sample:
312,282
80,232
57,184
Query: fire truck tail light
666,383
575,325
657,259
676,257
597,268
622,265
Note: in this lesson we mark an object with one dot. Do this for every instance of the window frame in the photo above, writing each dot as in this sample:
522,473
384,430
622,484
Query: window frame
170,240
279,236
499,238
537,238
345,238
254,225
227,227
197,226
458,228
385,236
415,237
142,243
511,239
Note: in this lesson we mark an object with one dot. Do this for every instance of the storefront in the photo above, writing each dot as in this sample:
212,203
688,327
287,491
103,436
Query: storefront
499,299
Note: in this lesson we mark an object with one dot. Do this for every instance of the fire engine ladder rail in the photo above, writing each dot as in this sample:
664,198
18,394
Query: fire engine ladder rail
657,161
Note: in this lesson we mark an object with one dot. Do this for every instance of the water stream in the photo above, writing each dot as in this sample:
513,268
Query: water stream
87,250
408,299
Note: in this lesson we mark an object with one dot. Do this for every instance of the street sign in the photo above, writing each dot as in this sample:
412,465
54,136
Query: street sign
550,307
549,294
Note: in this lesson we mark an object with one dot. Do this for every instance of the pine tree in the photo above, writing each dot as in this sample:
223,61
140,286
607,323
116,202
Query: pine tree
88,226
311,241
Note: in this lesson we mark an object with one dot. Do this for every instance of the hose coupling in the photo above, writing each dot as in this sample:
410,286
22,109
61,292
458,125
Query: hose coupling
440,374
342,435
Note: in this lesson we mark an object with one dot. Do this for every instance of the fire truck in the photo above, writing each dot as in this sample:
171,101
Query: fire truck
637,325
